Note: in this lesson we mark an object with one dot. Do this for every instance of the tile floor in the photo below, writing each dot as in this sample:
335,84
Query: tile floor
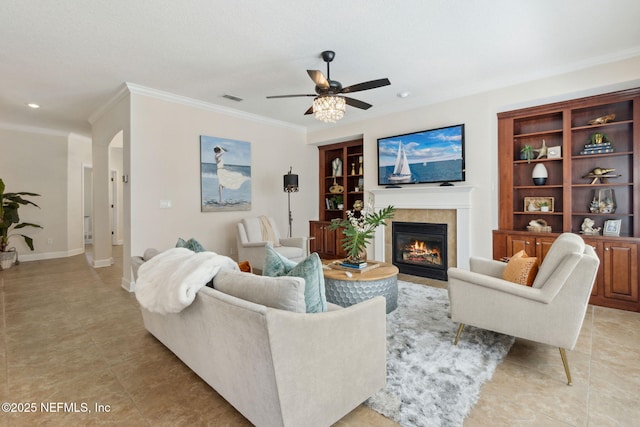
71,334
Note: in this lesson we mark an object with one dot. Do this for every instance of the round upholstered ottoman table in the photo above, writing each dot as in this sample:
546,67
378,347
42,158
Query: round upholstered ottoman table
344,291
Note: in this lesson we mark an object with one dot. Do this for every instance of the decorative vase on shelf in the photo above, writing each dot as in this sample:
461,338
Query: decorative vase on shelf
539,174
603,201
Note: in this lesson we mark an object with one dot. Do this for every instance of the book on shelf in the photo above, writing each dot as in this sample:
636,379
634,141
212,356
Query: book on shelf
601,145
596,151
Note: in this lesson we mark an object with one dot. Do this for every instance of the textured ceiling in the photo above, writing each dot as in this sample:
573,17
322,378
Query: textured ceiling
72,56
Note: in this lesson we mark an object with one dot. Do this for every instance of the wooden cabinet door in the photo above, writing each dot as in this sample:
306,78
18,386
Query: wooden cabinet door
598,286
621,271
330,244
325,242
316,231
516,243
543,244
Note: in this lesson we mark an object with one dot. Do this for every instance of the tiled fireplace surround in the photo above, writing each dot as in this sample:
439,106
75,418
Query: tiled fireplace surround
443,205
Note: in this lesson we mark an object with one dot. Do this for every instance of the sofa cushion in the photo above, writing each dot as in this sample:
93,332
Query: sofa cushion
150,253
310,269
521,269
191,244
284,293
245,266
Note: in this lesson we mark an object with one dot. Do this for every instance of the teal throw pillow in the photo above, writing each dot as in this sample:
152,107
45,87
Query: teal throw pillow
191,244
310,269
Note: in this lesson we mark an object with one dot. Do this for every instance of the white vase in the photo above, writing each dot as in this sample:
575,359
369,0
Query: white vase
539,174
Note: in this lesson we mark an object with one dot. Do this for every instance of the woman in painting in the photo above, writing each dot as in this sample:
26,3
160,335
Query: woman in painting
226,178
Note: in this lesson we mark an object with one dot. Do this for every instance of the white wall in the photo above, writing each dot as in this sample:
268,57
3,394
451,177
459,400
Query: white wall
79,154
165,165
49,164
478,112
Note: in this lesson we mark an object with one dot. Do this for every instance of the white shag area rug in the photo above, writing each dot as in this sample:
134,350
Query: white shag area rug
431,382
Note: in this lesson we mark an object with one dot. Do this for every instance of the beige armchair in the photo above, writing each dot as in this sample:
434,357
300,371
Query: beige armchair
551,311
253,234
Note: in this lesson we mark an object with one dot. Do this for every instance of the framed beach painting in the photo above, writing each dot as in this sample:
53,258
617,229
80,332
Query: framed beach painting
225,174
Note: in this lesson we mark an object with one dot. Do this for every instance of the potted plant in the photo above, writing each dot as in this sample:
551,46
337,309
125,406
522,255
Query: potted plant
544,206
358,231
526,153
338,201
11,221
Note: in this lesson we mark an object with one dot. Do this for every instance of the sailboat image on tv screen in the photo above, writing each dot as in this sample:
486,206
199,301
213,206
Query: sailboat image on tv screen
401,171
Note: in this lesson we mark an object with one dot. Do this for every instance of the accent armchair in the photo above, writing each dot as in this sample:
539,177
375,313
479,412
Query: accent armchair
551,311
254,233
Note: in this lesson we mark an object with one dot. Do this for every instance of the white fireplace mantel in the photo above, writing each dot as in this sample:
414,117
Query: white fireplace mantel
456,197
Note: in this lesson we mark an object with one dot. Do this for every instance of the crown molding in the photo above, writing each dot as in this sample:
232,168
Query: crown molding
122,92
33,129
191,102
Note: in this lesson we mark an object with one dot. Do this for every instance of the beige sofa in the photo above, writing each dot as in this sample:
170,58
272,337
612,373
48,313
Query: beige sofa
276,367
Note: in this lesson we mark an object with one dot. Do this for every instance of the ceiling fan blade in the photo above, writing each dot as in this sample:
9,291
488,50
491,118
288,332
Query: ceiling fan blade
366,85
357,103
289,96
318,78
309,111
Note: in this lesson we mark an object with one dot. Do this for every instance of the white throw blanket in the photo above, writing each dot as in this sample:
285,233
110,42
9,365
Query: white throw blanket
169,281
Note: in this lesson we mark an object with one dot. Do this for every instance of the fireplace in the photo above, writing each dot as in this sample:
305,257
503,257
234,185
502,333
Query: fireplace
420,249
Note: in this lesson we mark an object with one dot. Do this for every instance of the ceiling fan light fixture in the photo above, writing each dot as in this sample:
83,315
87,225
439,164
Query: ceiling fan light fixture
329,109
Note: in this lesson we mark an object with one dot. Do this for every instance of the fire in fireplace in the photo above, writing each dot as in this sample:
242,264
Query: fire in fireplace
420,249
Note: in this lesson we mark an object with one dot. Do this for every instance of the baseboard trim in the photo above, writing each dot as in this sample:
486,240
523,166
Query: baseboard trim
128,285
99,263
49,255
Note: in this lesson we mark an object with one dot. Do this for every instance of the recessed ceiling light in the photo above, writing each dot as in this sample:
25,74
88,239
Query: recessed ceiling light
403,94
33,105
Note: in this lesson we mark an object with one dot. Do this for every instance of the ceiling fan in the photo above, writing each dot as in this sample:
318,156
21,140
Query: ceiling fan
330,91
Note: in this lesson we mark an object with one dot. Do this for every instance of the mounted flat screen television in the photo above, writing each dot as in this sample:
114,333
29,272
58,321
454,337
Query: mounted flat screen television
428,156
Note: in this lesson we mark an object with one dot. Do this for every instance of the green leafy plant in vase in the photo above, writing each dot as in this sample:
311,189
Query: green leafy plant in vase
526,153
358,229
11,221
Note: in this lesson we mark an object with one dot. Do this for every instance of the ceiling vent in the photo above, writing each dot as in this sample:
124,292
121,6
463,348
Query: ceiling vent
233,98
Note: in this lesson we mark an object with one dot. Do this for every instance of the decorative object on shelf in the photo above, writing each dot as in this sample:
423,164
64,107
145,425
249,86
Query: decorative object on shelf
588,227
539,174
290,186
361,172
603,201
612,227
554,152
535,204
539,226
361,184
9,221
526,153
358,229
336,167
337,201
600,174
336,188
598,143
353,168
602,120
542,151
